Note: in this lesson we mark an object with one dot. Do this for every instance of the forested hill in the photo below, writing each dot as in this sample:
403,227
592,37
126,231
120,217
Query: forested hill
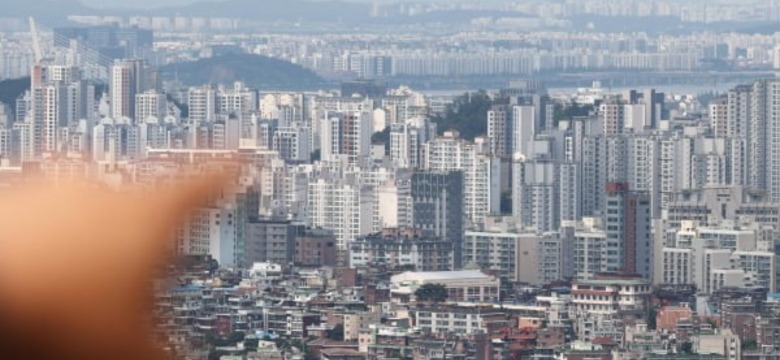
467,114
11,89
256,71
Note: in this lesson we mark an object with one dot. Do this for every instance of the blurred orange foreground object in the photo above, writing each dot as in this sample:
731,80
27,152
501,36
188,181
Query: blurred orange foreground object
77,264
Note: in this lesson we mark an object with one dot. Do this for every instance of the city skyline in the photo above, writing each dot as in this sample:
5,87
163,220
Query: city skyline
406,180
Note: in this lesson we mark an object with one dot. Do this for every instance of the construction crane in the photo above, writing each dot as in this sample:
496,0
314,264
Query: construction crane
36,41
48,45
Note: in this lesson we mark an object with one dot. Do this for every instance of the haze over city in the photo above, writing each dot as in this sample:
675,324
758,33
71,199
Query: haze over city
377,180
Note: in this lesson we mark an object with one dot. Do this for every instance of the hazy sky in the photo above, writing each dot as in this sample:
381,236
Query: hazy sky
136,3
164,3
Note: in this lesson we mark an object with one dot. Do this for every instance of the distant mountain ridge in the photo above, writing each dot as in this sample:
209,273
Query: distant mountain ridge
271,10
256,71
50,11
56,11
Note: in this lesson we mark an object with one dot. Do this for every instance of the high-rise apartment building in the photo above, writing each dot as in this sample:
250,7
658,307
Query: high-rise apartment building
150,104
544,193
713,257
499,130
347,134
627,220
342,206
407,140
612,111
437,199
481,171
404,247
269,240
202,104
524,128
588,245
238,100
292,143
523,255
128,78
58,99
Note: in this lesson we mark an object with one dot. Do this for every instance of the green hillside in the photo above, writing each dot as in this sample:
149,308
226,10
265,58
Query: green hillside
11,89
256,71
467,114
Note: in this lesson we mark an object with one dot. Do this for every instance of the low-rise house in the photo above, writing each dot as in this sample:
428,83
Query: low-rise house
465,285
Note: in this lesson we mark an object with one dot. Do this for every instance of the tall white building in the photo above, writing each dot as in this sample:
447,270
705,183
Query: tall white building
751,117
113,143
50,102
716,257
499,130
612,112
202,104
589,247
394,203
634,118
150,104
341,206
59,99
627,217
347,134
481,171
544,193
524,128
406,143
238,100
128,78
207,232
292,143
24,138
718,111
523,255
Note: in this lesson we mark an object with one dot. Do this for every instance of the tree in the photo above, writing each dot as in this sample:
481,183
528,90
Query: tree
749,345
407,267
568,111
651,318
506,203
686,347
299,344
337,333
382,138
507,287
283,344
12,89
217,354
431,293
467,114
251,343
184,108
231,340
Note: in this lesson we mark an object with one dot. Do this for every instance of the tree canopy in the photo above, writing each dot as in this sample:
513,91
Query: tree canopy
652,313
230,340
686,348
256,71
467,114
337,333
565,111
431,293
